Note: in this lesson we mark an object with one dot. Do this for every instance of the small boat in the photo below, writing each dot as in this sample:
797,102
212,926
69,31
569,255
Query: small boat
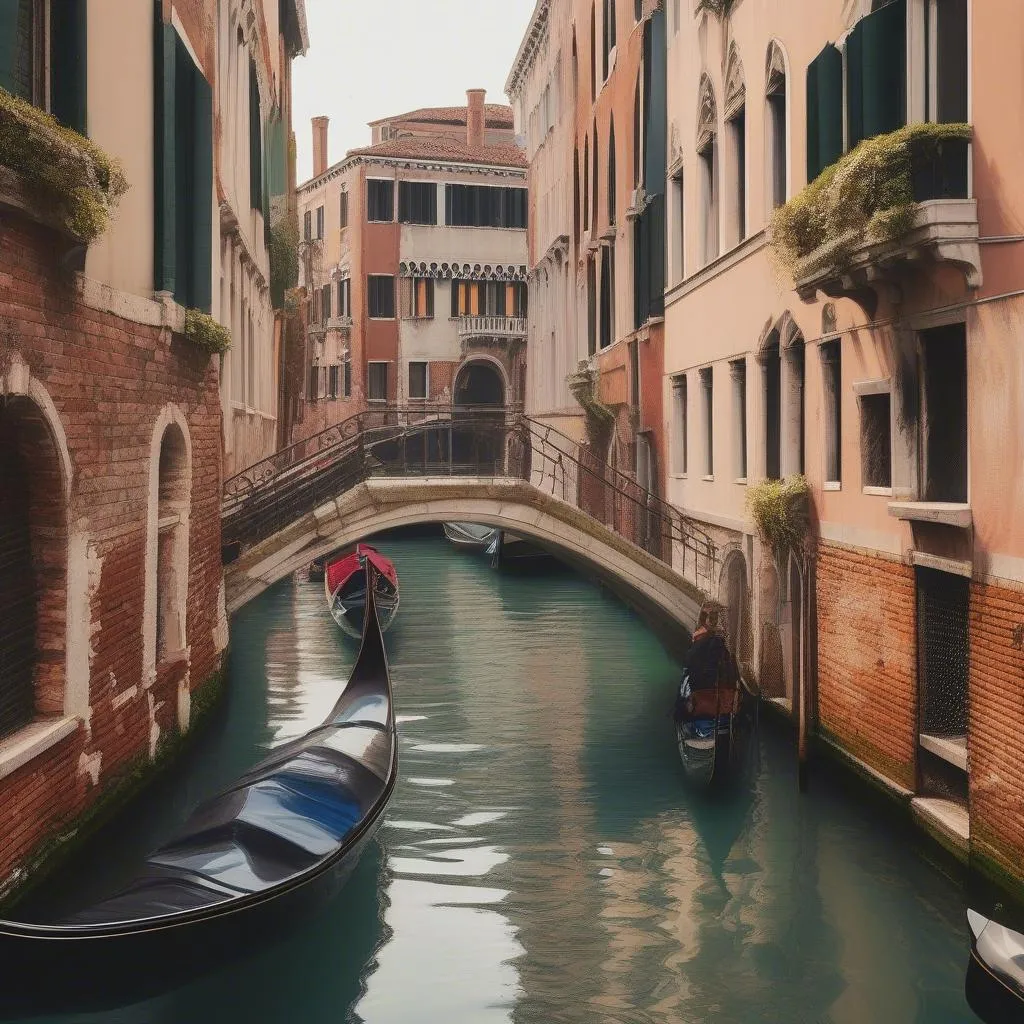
345,587
995,973
245,867
717,736
510,551
470,536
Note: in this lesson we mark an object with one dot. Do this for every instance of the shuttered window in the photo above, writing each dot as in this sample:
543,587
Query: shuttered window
255,140
19,58
418,380
343,216
380,200
485,206
418,297
824,111
319,222
417,202
876,73
307,225
345,297
314,383
377,382
348,378
951,61
68,63
183,162
332,382
380,296
326,302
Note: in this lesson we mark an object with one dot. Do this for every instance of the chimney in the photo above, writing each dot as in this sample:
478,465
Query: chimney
319,146
475,118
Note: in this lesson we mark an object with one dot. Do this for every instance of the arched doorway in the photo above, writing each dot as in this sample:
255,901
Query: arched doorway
735,595
172,544
33,557
478,437
479,383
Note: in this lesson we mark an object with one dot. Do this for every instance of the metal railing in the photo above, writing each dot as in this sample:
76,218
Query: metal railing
461,441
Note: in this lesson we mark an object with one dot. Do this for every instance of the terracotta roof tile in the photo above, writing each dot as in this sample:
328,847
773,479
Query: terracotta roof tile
496,115
440,147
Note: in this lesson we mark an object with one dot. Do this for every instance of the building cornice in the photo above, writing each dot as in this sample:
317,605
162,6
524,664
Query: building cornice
535,33
463,271
411,163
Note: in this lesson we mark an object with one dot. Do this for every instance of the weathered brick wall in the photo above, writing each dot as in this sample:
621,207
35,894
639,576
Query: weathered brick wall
996,731
867,690
109,379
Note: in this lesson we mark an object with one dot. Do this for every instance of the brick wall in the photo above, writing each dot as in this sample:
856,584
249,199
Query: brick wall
109,380
997,725
867,690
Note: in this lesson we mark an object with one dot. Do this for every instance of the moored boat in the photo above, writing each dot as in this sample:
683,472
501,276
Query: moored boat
995,973
470,536
510,551
243,869
345,588
716,737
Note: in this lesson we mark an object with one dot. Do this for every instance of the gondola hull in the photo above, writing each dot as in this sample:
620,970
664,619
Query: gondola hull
470,536
345,590
994,985
713,753
514,553
246,868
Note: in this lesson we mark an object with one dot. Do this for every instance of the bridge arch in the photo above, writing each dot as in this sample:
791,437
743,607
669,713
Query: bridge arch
481,380
380,504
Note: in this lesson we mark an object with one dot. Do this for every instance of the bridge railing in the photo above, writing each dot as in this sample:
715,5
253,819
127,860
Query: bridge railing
439,440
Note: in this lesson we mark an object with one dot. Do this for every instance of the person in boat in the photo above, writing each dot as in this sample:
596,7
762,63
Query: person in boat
709,666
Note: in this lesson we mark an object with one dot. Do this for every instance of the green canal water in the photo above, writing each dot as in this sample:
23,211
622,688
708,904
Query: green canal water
542,859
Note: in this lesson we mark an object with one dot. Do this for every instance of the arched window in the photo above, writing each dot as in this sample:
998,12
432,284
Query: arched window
593,52
586,184
776,128
611,173
707,150
594,178
609,34
576,194
575,71
736,137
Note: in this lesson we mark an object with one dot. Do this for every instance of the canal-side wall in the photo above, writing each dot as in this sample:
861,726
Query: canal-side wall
110,428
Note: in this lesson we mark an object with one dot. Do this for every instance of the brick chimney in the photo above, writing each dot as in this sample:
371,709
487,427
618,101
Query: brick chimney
319,146
475,118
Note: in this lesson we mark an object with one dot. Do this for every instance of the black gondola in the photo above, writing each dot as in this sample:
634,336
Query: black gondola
717,738
995,973
510,551
244,868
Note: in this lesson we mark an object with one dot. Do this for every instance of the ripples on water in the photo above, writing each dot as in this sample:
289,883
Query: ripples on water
541,859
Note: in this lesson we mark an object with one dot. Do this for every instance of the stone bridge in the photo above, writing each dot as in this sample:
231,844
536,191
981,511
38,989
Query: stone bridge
530,480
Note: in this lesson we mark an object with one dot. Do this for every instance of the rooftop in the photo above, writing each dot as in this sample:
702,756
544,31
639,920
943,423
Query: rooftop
496,115
442,147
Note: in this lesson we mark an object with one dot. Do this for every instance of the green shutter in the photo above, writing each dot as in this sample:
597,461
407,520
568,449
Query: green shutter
824,111
164,161
855,84
69,64
16,47
255,141
885,69
202,195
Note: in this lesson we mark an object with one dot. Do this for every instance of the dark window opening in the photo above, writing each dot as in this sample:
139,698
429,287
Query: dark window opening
419,297
319,222
738,127
594,180
951,62
709,185
332,382
345,297
591,306
343,212
586,184
377,382
380,296
680,413
634,376
777,135
609,34
738,370
314,383
576,195
417,202
380,201
832,372
824,111
605,319
611,174
485,206
945,413
325,302
707,384
943,601
348,378
876,440
773,413
417,380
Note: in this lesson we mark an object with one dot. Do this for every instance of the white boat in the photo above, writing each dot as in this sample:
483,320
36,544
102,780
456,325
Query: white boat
471,536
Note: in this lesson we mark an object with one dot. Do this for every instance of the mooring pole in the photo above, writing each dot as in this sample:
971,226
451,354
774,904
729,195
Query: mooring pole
804,710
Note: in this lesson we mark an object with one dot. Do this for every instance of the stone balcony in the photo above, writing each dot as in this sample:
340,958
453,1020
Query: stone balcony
492,330
340,324
945,231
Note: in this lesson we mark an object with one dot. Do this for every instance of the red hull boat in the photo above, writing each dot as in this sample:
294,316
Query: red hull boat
345,588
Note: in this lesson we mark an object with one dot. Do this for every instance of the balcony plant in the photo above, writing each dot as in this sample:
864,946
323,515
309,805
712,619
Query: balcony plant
865,197
62,170
284,259
202,330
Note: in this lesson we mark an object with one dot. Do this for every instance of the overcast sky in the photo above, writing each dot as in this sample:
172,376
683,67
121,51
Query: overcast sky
373,60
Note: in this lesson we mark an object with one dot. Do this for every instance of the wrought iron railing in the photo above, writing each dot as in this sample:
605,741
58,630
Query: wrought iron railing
466,441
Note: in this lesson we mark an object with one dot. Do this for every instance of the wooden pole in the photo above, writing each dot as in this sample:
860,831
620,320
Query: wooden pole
804,712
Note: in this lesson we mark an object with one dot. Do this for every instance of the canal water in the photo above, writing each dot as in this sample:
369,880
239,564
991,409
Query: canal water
542,859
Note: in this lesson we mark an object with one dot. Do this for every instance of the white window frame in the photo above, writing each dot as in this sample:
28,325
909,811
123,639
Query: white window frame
877,387
426,378
376,362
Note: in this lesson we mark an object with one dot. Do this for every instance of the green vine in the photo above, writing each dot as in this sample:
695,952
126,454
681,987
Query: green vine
202,330
866,196
284,259
720,8
66,171
781,510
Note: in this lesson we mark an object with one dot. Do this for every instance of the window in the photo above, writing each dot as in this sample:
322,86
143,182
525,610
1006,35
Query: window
634,375
485,206
679,425
609,35
256,141
707,386
796,411
417,202
593,51
418,380
738,373
831,366
593,181
738,133
314,383
638,9
586,183
348,377
319,222
377,382
607,315
709,201
824,111
576,195
380,297
489,298
345,297
591,306
611,174
678,240
332,382
943,603
772,364
944,420
876,75
380,200
876,439
22,27
172,544
775,109
317,303
638,128
418,297
325,302
343,211
307,225
947,73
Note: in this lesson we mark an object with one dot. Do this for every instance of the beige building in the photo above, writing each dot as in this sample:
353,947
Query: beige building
878,358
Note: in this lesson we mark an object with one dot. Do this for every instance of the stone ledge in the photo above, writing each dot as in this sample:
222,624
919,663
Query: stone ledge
26,744
947,822
944,512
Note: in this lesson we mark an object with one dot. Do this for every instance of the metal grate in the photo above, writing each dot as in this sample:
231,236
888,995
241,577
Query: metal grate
17,594
942,651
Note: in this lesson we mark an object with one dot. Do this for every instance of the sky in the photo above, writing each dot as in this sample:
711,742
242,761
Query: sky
377,59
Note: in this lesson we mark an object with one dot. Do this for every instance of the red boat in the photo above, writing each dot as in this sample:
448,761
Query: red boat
345,587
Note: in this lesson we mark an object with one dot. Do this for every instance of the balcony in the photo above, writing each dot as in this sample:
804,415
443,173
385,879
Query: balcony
339,324
895,204
492,330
